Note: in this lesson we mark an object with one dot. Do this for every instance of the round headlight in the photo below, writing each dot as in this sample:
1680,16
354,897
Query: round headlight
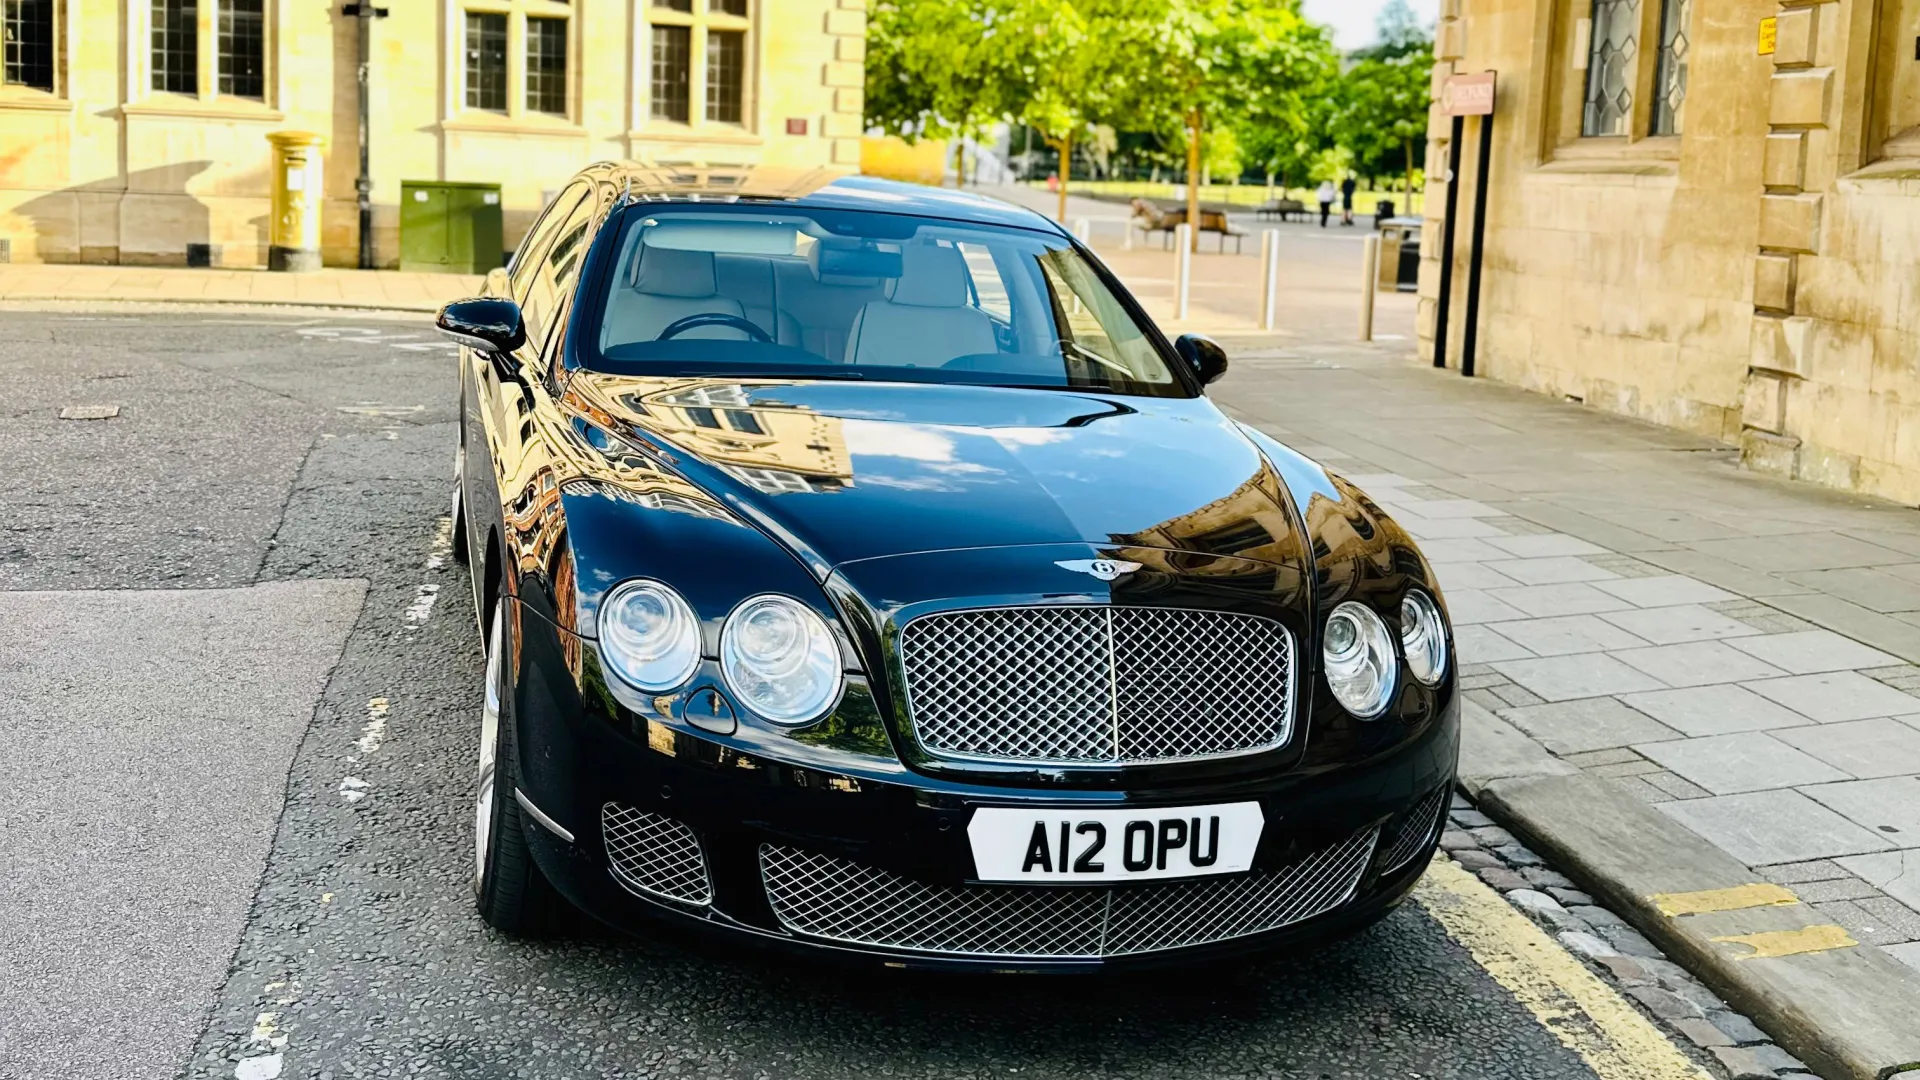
1424,637
1359,658
781,659
649,635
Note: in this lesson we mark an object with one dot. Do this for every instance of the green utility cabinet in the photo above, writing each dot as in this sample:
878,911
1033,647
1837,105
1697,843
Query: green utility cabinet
449,227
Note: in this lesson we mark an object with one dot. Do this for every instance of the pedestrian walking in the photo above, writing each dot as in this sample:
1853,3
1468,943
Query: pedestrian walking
1347,187
1326,194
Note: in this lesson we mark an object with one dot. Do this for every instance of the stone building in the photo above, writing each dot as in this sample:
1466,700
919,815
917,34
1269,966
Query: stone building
1703,213
129,131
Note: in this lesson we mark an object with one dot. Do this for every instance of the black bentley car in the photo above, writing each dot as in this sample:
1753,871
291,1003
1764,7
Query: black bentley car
860,570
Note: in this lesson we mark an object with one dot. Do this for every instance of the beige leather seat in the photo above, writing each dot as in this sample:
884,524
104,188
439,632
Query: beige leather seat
665,286
925,320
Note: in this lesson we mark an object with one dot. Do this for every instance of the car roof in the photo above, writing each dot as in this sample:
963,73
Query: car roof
825,189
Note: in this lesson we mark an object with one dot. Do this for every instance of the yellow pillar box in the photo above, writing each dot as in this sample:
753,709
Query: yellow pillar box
294,237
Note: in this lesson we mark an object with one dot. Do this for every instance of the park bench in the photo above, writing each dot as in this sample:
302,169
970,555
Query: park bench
1152,219
1284,209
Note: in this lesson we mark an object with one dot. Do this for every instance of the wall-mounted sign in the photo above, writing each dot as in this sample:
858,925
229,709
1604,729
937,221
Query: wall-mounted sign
1468,95
1769,35
797,125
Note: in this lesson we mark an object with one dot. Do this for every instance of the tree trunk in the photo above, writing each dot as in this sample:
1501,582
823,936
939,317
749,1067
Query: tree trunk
1193,180
960,161
1066,170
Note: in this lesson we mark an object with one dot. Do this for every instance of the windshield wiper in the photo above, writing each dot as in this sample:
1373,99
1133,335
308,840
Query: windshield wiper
1085,353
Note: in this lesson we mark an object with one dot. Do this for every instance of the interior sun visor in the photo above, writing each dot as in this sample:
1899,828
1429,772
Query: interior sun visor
724,237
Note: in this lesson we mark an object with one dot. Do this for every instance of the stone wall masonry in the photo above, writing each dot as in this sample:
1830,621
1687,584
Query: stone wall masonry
1755,280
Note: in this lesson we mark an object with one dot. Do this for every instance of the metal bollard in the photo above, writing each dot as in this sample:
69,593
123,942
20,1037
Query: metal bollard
1369,281
1183,268
1269,278
1126,235
1083,231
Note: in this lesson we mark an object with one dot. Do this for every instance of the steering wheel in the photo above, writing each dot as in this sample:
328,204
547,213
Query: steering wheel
714,318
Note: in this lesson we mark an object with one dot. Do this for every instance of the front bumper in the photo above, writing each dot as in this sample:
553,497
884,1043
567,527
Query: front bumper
669,825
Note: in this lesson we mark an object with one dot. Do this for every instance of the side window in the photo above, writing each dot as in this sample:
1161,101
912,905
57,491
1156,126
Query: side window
553,276
989,290
533,250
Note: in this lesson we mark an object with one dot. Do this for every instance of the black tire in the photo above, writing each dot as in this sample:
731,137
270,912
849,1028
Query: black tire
512,894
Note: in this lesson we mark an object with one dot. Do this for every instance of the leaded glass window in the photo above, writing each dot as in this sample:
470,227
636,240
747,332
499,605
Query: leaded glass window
486,61
243,48
726,74
672,71
176,46
547,66
1670,83
1611,63
27,29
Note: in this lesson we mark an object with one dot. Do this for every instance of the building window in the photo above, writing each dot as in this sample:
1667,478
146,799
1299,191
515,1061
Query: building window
672,71
486,61
176,46
1612,62
698,57
1670,82
547,66
28,29
243,48
726,74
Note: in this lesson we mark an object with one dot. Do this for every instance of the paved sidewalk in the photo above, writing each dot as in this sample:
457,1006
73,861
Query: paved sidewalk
386,290
1737,651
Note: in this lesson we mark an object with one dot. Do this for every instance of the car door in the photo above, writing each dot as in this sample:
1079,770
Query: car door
498,399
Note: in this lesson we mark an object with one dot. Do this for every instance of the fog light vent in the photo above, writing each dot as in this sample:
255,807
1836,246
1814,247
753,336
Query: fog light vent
655,855
1408,835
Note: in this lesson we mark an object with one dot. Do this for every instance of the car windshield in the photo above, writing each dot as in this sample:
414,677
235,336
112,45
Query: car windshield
855,295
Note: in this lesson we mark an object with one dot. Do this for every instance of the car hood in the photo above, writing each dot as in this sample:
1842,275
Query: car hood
843,471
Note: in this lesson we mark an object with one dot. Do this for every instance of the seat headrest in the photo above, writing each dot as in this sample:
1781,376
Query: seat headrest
930,276
674,272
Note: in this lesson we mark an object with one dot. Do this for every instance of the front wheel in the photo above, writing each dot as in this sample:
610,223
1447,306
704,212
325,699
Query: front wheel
512,894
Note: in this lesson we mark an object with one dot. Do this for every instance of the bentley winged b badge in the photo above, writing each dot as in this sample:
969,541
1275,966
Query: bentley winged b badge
1104,569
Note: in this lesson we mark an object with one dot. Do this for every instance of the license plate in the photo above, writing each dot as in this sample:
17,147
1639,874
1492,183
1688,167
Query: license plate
1060,847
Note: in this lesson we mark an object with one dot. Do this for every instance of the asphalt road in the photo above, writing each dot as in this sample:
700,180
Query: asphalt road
238,837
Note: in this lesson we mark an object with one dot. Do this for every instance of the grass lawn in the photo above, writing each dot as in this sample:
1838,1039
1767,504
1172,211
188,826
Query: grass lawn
1247,196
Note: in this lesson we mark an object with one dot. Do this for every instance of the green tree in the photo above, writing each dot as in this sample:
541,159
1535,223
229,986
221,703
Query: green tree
1382,110
940,68
1226,63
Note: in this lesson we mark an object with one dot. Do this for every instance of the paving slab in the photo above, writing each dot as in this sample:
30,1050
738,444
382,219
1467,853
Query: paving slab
1680,623
1889,806
1715,710
1811,651
1550,571
1896,588
1480,644
1696,663
1764,827
1588,724
1740,762
1665,590
1561,678
1835,696
1472,575
1567,634
1866,749
1469,606
1573,598
1896,873
1804,551
1545,545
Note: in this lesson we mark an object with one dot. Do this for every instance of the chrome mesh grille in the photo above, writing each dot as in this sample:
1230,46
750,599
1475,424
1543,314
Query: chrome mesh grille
655,855
1097,685
1405,837
826,897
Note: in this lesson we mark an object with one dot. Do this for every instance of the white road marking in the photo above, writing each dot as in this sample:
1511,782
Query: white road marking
422,606
353,789
374,731
260,1067
374,408
442,545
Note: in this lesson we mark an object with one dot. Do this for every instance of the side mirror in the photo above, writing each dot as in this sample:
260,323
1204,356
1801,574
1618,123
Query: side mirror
488,323
1208,359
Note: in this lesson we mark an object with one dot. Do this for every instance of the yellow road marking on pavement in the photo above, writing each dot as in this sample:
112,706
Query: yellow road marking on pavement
1808,939
1734,899
1585,1014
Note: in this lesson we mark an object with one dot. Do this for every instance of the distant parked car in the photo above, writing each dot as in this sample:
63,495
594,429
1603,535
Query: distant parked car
860,570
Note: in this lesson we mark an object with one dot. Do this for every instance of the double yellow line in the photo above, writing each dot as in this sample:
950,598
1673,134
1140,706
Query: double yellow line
1584,1013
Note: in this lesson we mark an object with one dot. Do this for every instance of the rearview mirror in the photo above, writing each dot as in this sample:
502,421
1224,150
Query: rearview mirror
488,323
1208,359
